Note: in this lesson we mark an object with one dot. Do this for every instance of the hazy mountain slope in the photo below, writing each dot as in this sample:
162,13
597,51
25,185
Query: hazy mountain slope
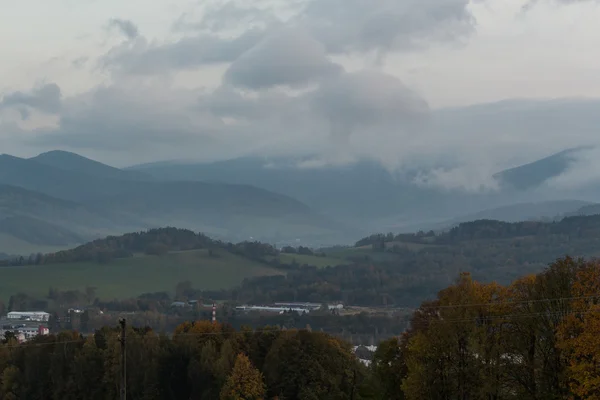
590,209
19,202
55,182
361,193
543,210
97,205
39,219
526,211
532,175
38,232
238,210
74,162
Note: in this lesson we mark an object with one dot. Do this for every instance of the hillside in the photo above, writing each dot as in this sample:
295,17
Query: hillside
364,195
74,162
141,262
131,277
381,270
543,210
38,232
40,220
534,174
91,199
368,197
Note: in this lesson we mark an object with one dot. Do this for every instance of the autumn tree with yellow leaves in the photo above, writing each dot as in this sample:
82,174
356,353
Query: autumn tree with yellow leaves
244,383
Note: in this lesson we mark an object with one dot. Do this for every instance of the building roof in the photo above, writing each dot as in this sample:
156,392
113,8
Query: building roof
28,313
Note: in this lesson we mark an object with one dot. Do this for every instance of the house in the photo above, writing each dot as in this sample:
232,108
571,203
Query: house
22,329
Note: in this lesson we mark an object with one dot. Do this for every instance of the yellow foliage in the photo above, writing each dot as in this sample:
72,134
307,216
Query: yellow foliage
244,383
579,334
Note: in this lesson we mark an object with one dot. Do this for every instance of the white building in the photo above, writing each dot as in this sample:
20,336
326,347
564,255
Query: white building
23,330
279,310
39,316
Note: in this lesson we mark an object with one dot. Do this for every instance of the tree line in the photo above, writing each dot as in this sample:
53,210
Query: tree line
537,338
200,360
156,311
574,226
152,242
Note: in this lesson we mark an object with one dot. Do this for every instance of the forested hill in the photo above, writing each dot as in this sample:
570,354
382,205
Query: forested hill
575,226
152,242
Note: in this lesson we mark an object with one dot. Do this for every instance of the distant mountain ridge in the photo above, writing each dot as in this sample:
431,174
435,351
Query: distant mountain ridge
368,195
534,174
74,162
80,199
259,198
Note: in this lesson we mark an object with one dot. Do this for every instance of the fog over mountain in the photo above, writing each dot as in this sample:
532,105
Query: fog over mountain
351,115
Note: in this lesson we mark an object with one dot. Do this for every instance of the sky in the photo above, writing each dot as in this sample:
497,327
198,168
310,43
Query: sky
137,81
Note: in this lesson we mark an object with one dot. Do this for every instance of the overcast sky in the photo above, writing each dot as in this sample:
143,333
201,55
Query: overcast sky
137,80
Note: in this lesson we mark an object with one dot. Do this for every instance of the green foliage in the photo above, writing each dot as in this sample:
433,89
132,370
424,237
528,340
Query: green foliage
201,360
130,277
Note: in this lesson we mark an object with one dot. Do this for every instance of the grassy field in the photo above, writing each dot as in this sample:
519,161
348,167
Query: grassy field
130,277
320,262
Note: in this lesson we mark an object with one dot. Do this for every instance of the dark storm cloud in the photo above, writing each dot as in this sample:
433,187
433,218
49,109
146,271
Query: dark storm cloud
126,27
46,98
189,52
289,57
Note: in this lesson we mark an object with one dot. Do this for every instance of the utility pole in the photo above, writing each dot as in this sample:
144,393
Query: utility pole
123,323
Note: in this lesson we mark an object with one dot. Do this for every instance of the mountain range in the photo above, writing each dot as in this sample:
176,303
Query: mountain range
366,194
60,199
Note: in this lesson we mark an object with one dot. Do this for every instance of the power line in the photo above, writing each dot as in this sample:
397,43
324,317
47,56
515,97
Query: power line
122,340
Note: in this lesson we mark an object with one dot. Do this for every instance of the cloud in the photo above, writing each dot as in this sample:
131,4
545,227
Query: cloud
529,5
369,97
337,118
126,27
288,57
370,103
229,29
228,102
46,98
385,25
80,62
582,172
229,15
129,116
141,57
